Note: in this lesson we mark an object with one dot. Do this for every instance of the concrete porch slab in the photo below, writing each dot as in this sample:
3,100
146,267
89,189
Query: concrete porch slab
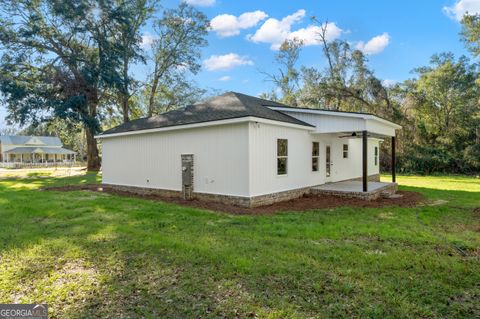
353,189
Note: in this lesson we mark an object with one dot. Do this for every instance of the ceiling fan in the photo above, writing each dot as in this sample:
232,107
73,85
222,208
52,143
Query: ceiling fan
354,134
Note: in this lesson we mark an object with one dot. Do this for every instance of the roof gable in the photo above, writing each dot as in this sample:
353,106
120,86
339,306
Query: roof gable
30,140
34,141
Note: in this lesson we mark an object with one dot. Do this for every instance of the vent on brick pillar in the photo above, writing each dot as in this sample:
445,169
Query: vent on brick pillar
187,175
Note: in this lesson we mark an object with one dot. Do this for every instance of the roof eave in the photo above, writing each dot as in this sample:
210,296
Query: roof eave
208,123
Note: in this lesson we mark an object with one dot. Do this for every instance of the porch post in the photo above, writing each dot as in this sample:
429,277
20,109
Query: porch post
365,161
394,178
21,158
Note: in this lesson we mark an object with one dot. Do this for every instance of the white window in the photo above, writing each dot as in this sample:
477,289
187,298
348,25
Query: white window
282,156
315,156
345,150
376,156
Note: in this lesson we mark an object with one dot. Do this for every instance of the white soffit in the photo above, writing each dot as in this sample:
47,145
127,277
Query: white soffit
332,121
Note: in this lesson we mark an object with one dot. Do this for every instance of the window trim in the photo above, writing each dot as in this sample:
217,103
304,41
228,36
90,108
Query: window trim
281,157
317,157
345,151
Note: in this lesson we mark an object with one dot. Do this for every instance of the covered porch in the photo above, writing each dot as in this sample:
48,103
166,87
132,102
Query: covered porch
38,155
353,179
367,186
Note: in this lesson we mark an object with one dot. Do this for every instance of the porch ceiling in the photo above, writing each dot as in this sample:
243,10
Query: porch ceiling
326,121
344,126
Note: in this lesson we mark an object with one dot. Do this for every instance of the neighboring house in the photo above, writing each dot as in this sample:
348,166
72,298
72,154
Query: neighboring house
243,150
33,149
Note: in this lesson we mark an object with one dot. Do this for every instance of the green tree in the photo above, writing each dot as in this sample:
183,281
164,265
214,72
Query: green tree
174,91
127,36
180,34
346,83
441,115
445,92
288,77
471,33
58,60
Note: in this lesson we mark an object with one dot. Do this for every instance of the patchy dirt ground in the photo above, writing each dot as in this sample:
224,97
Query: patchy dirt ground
307,202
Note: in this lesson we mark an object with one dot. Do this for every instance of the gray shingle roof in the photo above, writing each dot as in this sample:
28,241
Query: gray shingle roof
23,139
39,150
226,106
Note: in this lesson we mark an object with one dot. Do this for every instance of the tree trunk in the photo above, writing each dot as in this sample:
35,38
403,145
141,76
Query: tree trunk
93,160
125,95
151,101
153,91
125,107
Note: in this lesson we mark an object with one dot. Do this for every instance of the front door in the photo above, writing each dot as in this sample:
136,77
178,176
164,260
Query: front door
328,163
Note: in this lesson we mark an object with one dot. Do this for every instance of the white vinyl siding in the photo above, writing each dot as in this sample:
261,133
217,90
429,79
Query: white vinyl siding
263,160
153,160
231,159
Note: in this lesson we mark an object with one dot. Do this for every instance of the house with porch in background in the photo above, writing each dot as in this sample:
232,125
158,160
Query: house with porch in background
33,150
248,151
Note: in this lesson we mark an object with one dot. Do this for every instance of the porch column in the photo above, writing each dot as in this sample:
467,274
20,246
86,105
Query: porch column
394,178
365,160
21,158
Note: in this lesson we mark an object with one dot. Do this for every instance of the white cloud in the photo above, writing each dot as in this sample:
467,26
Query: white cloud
201,3
225,78
309,35
458,10
225,62
227,25
275,31
389,83
374,45
147,40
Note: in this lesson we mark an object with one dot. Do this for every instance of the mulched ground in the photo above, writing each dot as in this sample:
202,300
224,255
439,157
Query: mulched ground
307,202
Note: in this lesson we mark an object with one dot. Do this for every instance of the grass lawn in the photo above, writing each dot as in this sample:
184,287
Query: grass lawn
94,255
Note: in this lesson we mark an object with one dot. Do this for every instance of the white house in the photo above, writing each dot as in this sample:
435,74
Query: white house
243,150
33,149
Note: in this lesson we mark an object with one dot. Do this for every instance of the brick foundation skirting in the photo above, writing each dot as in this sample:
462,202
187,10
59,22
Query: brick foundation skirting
145,190
371,178
269,199
225,199
260,200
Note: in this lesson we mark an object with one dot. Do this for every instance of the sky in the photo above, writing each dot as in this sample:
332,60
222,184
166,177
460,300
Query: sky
397,36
